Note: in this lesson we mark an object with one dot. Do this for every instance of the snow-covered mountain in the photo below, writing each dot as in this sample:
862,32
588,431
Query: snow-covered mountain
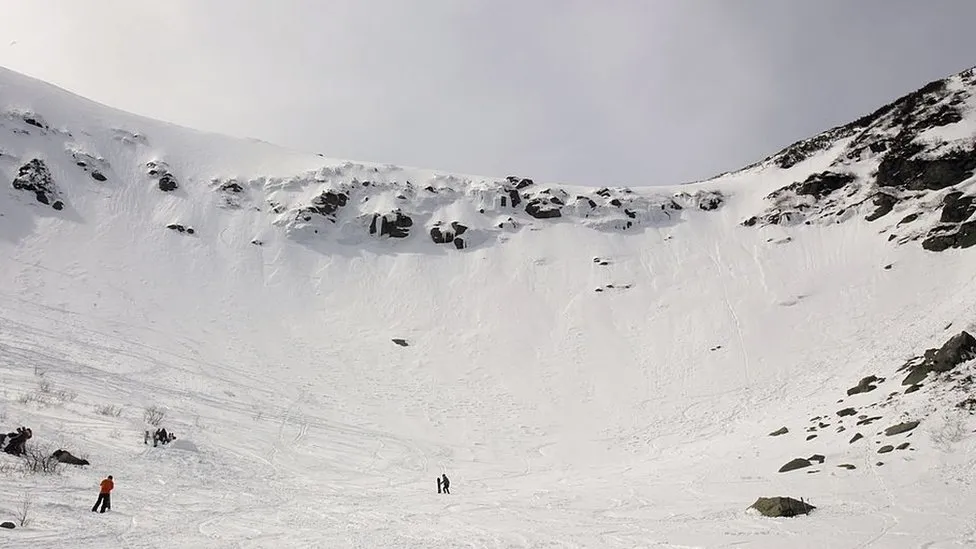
591,367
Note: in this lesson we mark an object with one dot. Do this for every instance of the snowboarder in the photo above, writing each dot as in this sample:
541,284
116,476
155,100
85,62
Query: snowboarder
446,484
438,485
104,495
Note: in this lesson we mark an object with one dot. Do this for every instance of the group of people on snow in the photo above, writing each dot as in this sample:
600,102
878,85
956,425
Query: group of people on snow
16,441
160,436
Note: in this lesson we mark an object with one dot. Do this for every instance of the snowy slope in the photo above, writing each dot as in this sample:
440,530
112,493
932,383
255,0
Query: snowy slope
591,367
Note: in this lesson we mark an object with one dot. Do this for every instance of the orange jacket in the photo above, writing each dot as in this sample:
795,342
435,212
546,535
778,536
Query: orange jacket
107,486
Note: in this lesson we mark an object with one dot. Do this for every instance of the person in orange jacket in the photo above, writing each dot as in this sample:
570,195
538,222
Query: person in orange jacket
104,495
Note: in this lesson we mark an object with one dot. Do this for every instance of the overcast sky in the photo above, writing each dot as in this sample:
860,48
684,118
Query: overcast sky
598,92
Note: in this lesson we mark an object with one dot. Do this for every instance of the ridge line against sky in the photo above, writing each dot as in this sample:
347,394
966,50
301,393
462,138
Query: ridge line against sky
641,92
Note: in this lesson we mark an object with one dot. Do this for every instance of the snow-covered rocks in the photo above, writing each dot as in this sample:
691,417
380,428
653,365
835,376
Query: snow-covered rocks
28,118
94,166
957,350
180,228
442,233
395,224
326,204
892,160
158,171
35,177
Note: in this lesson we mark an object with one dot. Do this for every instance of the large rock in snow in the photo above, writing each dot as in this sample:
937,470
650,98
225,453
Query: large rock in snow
159,171
35,177
450,234
793,465
959,349
781,507
395,224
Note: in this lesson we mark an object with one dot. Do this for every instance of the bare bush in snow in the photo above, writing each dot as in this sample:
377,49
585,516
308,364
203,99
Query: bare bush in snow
108,410
154,415
25,510
39,461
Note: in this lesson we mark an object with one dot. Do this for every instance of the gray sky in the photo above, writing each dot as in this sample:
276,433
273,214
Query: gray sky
599,92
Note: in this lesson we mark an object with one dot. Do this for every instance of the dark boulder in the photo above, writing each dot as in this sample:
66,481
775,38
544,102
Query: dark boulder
8,525
520,182
957,208
231,187
401,342
710,202
818,458
159,171
901,428
856,438
865,385
65,457
444,235
327,204
942,238
822,184
847,466
959,349
846,412
541,208
514,196
781,507
798,463
883,203
910,218
780,431
395,224
35,177
886,449
168,183
900,168
903,446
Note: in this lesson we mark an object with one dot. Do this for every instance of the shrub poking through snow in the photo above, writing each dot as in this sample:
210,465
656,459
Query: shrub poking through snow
154,415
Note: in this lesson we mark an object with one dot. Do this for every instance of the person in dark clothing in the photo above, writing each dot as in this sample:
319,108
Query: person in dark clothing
17,441
446,484
104,495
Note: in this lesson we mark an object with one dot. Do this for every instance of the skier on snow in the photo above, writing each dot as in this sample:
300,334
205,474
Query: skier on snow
104,495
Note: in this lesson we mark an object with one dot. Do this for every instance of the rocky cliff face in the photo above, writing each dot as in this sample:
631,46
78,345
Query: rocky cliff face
907,167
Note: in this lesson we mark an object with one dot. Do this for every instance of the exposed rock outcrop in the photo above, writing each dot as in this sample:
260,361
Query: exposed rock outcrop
395,224
181,228
159,171
957,350
793,465
449,234
865,385
781,507
35,177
